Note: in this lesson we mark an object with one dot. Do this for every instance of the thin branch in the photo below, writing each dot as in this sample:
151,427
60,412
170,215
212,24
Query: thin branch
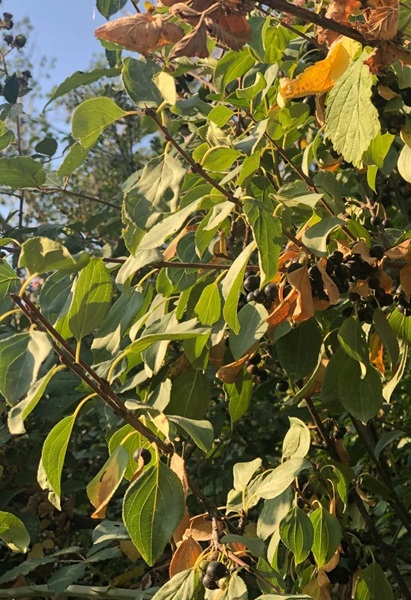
79,195
76,591
196,167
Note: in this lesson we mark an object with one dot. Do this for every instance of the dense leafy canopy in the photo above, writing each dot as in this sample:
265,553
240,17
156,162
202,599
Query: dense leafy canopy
206,309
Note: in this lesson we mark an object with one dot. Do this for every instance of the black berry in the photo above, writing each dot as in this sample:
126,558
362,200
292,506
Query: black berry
375,221
294,267
252,283
282,386
216,570
210,583
377,252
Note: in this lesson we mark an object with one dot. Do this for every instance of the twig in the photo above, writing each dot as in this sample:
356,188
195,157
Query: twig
76,591
78,195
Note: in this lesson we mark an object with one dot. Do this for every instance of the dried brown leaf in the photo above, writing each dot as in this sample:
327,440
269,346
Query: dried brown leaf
193,44
400,252
385,54
329,286
201,528
381,20
405,280
178,465
185,557
229,373
300,281
222,37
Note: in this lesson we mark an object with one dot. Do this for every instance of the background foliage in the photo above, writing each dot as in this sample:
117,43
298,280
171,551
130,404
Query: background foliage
206,309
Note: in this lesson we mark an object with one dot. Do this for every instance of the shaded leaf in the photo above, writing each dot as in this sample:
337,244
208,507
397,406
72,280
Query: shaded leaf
13,532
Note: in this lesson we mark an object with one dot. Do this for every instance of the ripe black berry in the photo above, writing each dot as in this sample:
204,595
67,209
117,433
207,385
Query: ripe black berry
353,297
337,257
379,294
377,252
262,375
259,296
294,267
387,300
375,221
339,575
254,360
386,223
252,283
282,386
250,297
142,453
347,311
210,583
252,369
216,570
271,291
314,273
374,283
406,96
340,433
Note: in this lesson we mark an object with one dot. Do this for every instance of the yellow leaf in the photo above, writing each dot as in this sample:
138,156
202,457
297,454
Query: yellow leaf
321,76
104,484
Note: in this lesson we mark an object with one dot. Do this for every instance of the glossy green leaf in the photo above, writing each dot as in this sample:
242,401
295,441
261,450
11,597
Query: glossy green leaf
80,78
21,356
13,532
253,325
92,117
239,396
352,339
297,533
91,299
21,172
373,585
278,480
220,115
200,431
232,285
243,472
138,76
180,587
327,535
316,235
40,254
219,158
360,394
296,443
267,233
298,350
148,514
351,118
52,459
208,307
190,395
19,413
109,7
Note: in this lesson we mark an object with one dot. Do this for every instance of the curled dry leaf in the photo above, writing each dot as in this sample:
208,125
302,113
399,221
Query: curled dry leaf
329,286
284,308
376,353
178,465
218,33
181,528
400,252
340,11
193,44
185,13
381,20
405,280
201,528
229,373
142,32
385,54
300,281
185,557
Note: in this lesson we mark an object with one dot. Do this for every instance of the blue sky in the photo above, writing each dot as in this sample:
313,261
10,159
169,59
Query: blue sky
63,30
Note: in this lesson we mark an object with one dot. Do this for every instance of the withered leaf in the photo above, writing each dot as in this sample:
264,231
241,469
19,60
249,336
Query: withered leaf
381,20
329,286
300,281
185,557
229,373
385,54
142,32
185,13
340,11
193,44
219,32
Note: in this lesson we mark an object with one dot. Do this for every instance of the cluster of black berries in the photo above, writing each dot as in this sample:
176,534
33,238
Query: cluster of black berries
7,21
182,82
403,306
15,41
253,368
265,296
215,576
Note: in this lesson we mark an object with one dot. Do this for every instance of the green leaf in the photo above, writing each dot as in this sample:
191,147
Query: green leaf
284,597
220,115
9,284
30,565
208,307
21,172
91,299
109,7
243,472
231,66
360,394
92,117
298,350
255,545
201,432
352,340
373,585
296,443
297,533
65,576
232,286
11,89
239,396
253,325
404,163
315,236
138,76
13,532
267,233
272,513
73,159
41,254
21,356
178,331
351,118
329,388
19,413
378,149
180,587
327,535
148,514
236,590
166,83
130,443
47,146
80,78
387,336
190,395
52,459
219,158
280,478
